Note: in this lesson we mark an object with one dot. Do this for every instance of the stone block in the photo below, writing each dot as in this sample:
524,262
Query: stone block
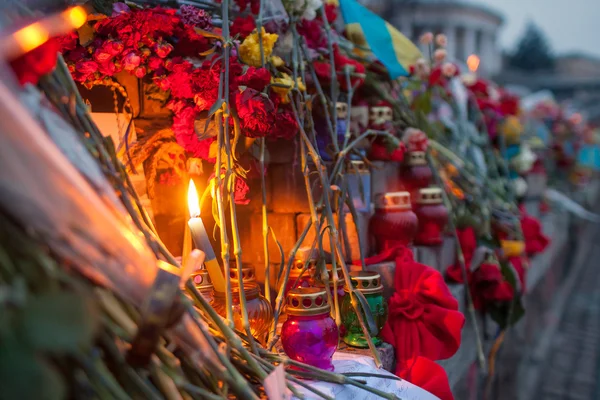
282,151
438,257
349,236
385,177
251,239
288,190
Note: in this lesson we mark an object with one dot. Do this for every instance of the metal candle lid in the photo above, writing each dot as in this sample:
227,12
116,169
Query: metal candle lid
248,274
358,167
430,196
366,282
201,280
307,301
393,201
416,158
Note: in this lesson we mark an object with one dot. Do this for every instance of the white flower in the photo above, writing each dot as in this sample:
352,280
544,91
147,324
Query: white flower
426,38
441,40
520,186
439,55
308,8
524,161
449,69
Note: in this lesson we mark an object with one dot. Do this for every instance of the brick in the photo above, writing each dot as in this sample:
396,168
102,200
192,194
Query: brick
251,239
385,177
288,191
350,241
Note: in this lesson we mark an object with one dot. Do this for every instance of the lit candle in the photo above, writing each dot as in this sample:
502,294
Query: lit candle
200,238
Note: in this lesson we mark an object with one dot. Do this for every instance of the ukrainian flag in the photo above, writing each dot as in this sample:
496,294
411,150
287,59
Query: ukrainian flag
366,29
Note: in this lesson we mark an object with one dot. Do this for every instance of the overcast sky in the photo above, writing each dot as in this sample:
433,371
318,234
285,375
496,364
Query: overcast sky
570,25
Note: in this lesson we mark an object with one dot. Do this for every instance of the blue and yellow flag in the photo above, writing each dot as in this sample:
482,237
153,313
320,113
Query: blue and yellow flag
366,29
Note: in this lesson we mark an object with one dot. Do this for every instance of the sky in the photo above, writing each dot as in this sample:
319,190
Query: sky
569,25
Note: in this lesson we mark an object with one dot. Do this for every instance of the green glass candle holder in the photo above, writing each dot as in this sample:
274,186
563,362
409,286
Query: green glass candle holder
369,284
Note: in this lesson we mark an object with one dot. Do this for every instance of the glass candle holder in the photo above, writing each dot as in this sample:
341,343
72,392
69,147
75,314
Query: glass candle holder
248,273
415,174
432,216
309,334
260,313
369,284
393,223
203,284
317,280
298,278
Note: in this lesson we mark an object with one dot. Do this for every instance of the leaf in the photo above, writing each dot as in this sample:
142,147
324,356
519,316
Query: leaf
423,103
59,322
24,375
86,34
371,325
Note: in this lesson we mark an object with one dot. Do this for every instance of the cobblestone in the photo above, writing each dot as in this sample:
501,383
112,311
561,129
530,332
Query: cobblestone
572,369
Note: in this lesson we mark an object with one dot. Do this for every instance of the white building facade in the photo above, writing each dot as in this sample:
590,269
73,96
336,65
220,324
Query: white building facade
470,28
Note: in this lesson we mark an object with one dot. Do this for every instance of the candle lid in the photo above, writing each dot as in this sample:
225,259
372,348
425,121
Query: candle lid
307,301
393,201
251,290
248,273
366,282
416,158
358,167
430,196
201,280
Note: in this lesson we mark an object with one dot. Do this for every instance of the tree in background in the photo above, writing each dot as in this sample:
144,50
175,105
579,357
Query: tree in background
533,53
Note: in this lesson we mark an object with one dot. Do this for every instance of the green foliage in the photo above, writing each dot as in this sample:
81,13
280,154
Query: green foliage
533,52
508,314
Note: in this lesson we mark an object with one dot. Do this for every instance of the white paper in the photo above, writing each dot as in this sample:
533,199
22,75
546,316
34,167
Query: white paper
346,362
275,385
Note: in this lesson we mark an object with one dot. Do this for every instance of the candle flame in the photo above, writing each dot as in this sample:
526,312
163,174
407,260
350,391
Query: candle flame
76,16
31,36
193,201
473,62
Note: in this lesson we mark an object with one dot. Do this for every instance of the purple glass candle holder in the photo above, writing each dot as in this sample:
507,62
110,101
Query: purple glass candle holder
309,335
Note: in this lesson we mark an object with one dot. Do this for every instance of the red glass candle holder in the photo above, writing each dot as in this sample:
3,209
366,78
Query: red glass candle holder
432,215
415,174
203,284
299,279
309,334
393,223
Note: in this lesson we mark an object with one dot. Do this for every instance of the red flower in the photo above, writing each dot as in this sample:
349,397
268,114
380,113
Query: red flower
155,64
30,67
86,68
108,50
256,113
140,72
254,5
241,190
67,42
163,49
331,12
313,33
108,68
255,78
242,26
184,116
285,126
131,61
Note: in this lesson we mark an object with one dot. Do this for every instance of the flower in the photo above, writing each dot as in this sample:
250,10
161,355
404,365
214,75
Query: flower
283,92
426,38
86,68
306,9
422,69
240,191
331,12
31,66
441,40
120,8
196,17
415,139
131,61
313,33
254,5
439,55
242,26
140,72
449,70
108,50
163,49
255,111
255,78
250,48
285,126
184,116
276,61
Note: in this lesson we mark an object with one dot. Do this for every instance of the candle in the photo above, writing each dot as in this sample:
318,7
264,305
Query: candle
200,238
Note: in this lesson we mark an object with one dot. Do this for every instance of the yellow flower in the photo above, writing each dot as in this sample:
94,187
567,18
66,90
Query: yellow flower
277,61
513,248
287,80
250,47
511,128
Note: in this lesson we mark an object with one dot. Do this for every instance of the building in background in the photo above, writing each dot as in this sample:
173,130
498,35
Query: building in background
470,28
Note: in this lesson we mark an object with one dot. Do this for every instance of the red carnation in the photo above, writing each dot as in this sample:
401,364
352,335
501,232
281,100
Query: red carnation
242,26
131,61
313,33
163,49
30,67
108,50
255,111
331,12
255,78
286,126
